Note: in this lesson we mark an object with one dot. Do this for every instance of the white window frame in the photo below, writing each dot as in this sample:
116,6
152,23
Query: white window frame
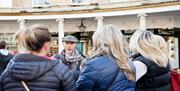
82,1
120,0
40,2
5,3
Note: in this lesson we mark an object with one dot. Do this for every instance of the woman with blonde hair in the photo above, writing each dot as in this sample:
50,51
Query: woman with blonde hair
107,67
34,71
151,61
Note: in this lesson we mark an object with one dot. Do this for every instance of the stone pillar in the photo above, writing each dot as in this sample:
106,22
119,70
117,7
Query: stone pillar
21,24
142,22
177,52
172,49
99,22
60,34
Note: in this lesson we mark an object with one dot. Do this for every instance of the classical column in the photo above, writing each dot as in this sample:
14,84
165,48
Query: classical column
177,51
142,24
171,52
21,23
60,33
99,21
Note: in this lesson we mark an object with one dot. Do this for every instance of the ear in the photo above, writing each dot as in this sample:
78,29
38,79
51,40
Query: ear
46,45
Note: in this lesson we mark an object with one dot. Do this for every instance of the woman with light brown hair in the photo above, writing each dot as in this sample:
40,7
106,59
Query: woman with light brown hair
151,61
108,67
34,70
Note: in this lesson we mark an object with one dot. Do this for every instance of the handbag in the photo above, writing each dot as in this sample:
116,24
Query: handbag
175,79
25,86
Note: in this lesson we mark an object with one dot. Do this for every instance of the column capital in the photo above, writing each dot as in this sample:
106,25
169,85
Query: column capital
141,14
60,19
21,20
99,18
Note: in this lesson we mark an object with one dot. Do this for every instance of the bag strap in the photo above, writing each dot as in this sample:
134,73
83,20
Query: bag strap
25,86
82,54
111,82
78,66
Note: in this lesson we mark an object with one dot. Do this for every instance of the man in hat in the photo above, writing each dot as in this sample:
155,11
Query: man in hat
70,56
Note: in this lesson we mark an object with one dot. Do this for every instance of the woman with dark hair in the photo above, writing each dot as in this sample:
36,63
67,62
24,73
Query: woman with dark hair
5,56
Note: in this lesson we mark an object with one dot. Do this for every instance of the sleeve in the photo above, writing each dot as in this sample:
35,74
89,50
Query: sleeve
66,77
4,74
1,87
87,78
141,69
56,56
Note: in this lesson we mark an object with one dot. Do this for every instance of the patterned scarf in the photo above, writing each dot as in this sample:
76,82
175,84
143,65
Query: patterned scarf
71,59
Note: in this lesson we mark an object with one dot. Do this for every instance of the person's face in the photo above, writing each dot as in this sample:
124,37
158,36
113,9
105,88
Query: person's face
69,47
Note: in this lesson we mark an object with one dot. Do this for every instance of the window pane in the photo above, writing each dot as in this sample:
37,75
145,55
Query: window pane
76,1
5,3
85,1
81,1
119,0
40,2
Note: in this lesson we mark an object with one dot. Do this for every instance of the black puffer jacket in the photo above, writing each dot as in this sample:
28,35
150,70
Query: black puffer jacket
40,74
156,79
4,60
